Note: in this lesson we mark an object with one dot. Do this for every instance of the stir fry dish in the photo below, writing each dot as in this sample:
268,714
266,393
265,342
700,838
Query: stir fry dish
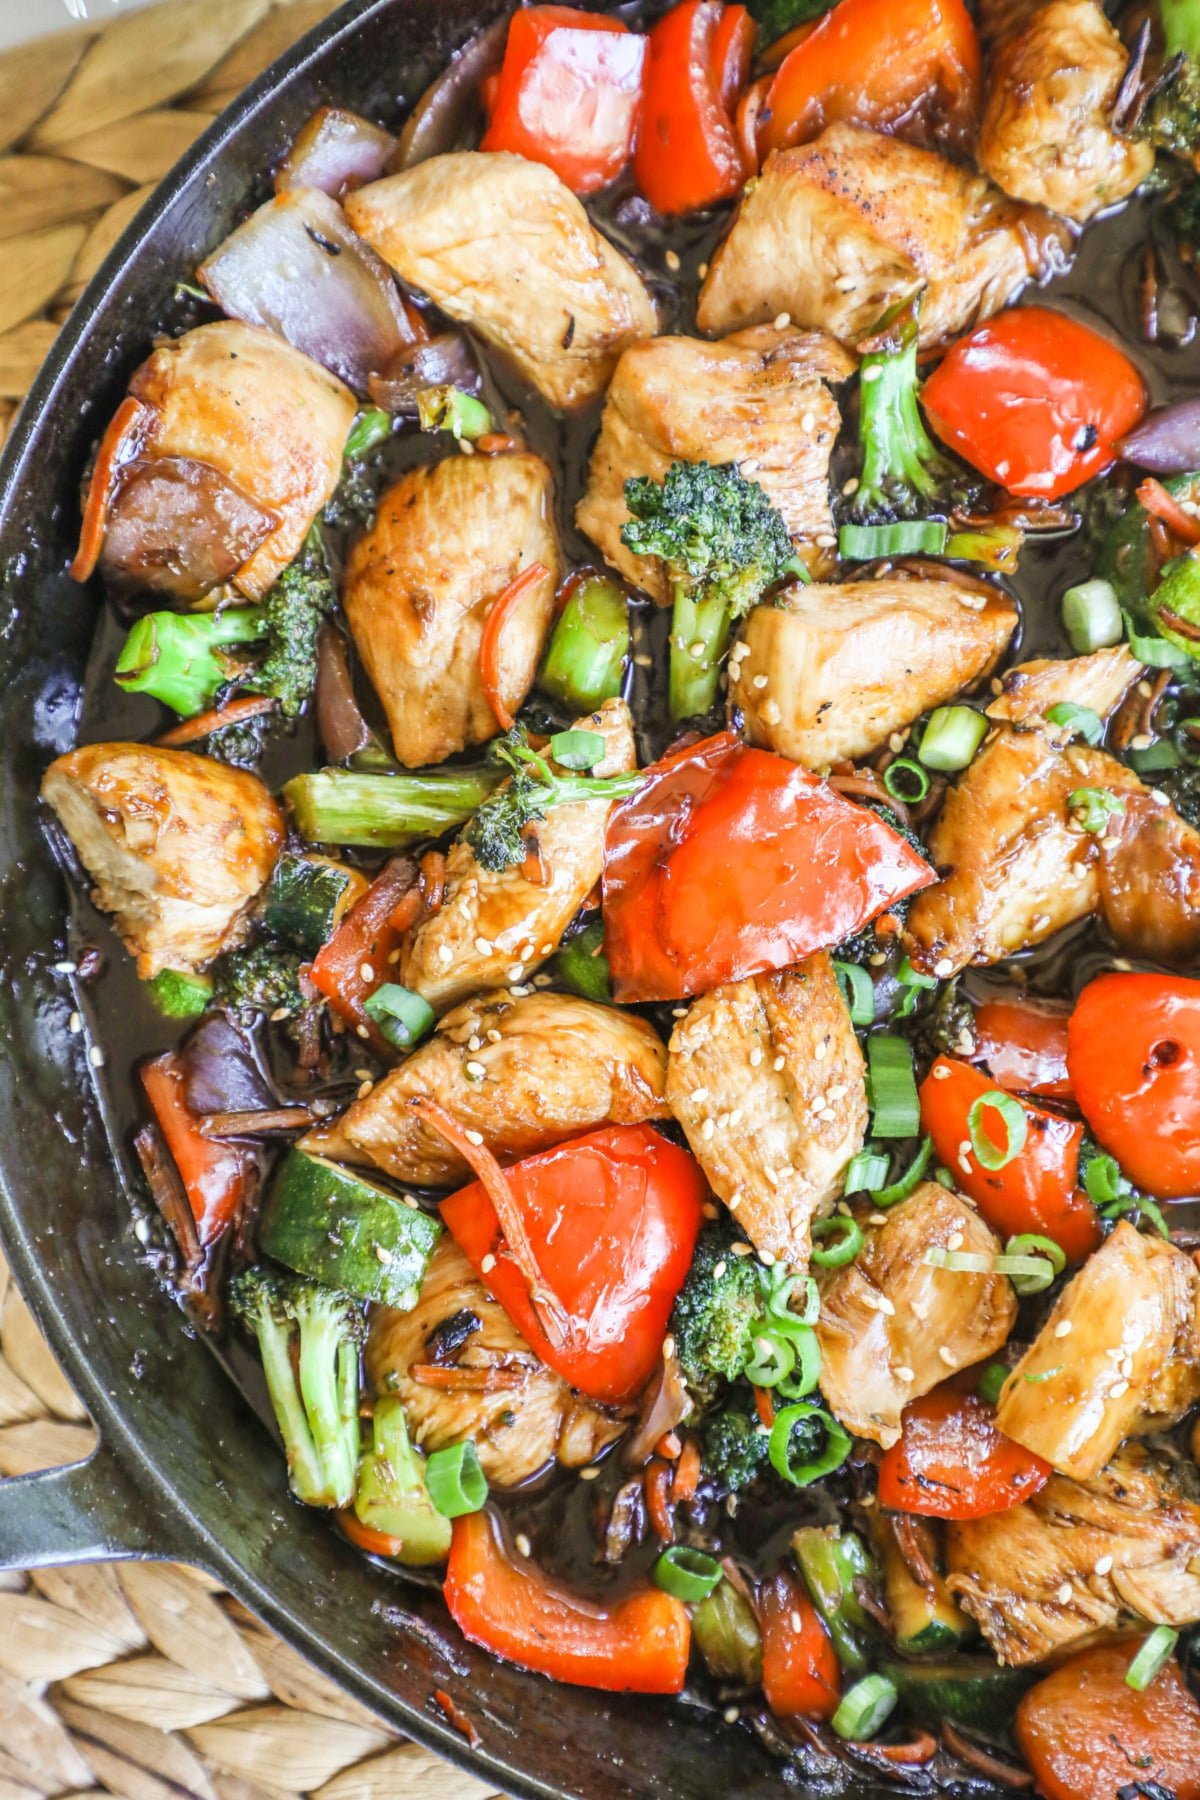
637,825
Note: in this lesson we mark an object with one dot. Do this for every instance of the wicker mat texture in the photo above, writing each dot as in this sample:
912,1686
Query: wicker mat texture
145,1680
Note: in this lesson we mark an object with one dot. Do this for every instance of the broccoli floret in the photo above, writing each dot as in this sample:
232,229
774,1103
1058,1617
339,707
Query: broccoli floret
948,1028
1182,788
733,1449
496,833
724,545
294,609
315,1395
904,475
715,1311
240,744
261,979
185,659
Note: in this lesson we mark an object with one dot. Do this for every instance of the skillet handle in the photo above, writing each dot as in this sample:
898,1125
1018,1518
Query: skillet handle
86,1512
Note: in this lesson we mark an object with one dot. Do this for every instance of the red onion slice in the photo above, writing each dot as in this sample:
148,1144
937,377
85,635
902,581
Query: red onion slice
442,114
336,151
444,361
180,527
296,268
340,725
1167,442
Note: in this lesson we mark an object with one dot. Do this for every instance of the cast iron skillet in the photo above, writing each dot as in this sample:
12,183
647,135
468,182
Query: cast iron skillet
185,1470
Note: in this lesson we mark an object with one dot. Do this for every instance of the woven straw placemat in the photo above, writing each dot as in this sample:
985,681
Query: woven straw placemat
144,1680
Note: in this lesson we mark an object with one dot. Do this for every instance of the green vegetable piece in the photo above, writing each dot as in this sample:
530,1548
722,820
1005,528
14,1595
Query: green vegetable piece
831,1561
337,1226
296,605
184,659
905,1184
687,1574
906,780
923,1616
577,750
1093,807
716,1312
340,806
585,664
457,1485
403,1017
727,1636
392,1495
1091,616
992,1381
581,965
371,427
903,473
990,1153
867,1172
1082,720
847,1241
180,995
496,833
304,901
858,991
806,1443
777,17
733,1449
952,736
975,1692
892,1086
1031,1244
449,409
263,979
903,537
865,1708
1175,604
1154,1654
1128,560
995,547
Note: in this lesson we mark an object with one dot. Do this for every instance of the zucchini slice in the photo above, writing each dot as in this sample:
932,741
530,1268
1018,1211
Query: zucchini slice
971,1691
336,1225
925,1620
306,899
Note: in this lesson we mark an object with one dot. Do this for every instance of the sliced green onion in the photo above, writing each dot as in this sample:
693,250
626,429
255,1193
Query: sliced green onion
906,537
773,1358
892,1086
846,1245
449,409
907,976
1153,650
997,547
455,1480
806,1373
577,749
401,1016
794,566
858,990
867,1172
906,780
1041,1249
1157,1650
1138,1203
1155,758
781,1314
1093,807
370,428
687,1574
1035,1270
992,1381
1091,616
779,1446
904,1184
1104,1181
988,1153
951,738
1082,720
864,1708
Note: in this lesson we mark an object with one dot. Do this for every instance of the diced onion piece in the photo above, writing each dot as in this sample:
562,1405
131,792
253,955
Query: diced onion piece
1168,440
336,151
952,736
442,361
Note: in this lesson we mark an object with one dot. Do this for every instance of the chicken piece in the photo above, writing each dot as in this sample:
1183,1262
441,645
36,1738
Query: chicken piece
1016,865
836,231
758,399
828,673
495,928
1047,134
1099,681
1081,1557
179,846
504,246
768,1082
891,1328
228,431
481,1379
552,1066
1127,1363
419,586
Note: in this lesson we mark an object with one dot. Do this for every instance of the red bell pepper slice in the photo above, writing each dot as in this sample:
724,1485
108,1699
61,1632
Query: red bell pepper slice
730,861
1024,1044
1133,1051
1036,1190
213,1170
801,1675
1035,400
911,66
733,48
953,1463
1084,1732
687,154
568,94
612,1219
355,961
637,1644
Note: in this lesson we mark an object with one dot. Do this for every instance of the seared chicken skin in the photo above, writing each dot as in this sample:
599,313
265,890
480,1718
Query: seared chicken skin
1079,1557
767,1079
1099,681
835,232
495,928
1047,134
520,1414
231,444
891,1328
1128,1362
179,846
828,673
503,245
758,399
526,1071
419,586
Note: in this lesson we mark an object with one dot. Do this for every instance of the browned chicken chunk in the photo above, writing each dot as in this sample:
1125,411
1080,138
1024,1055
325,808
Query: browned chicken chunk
1119,1356
504,246
768,1082
493,929
1120,1549
463,1370
1099,681
835,232
827,673
1047,134
525,1071
179,846
891,1328
758,399
231,444
419,586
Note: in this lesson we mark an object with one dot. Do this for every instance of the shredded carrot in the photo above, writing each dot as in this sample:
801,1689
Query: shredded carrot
190,731
495,1182
489,644
456,1716
493,442
887,926
433,880
668,1446
467,1380
764,1406
687,1473
407,909
656,1484
1156,500
126,430
919,1750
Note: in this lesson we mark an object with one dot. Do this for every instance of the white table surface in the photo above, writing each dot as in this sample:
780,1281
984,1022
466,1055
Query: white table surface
33,18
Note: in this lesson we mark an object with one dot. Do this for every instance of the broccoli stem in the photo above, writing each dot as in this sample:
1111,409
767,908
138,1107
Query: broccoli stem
305,1471
176,657
392,1497
700,625
328,1370
450,409
831,1561
585,663
342,806
898,452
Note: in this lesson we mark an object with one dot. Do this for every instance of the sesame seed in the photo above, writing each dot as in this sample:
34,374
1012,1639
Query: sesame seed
827,1115
523,1544
473,1137
887,1307
955,1241
756,1056
1103,1565
947,1355
797,1623
732,1714
487,1264
545,949
850,487
825,540
702,271
75,1022
516,971
903,1374
588,1474
362,1031
382,1252
873,373
483,946
474,1042
771,712
668,1348
723,1121
897,742
807,422
696,648
1063,1328
707,1129
362,1074
411,1201
771,1176
366,971
445,955
65,968
1142,741
698,1096
493,1036
782,321
733,1202
476,1071
740,1249
820,1051
876,1218
1144,689
712,1211
543,981
1063,1596
1122,1387
393,958
778,1065
364,1088
941,1072
919,1310
96,1057
759,682
679,1012
719,1269
672,260
943,968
